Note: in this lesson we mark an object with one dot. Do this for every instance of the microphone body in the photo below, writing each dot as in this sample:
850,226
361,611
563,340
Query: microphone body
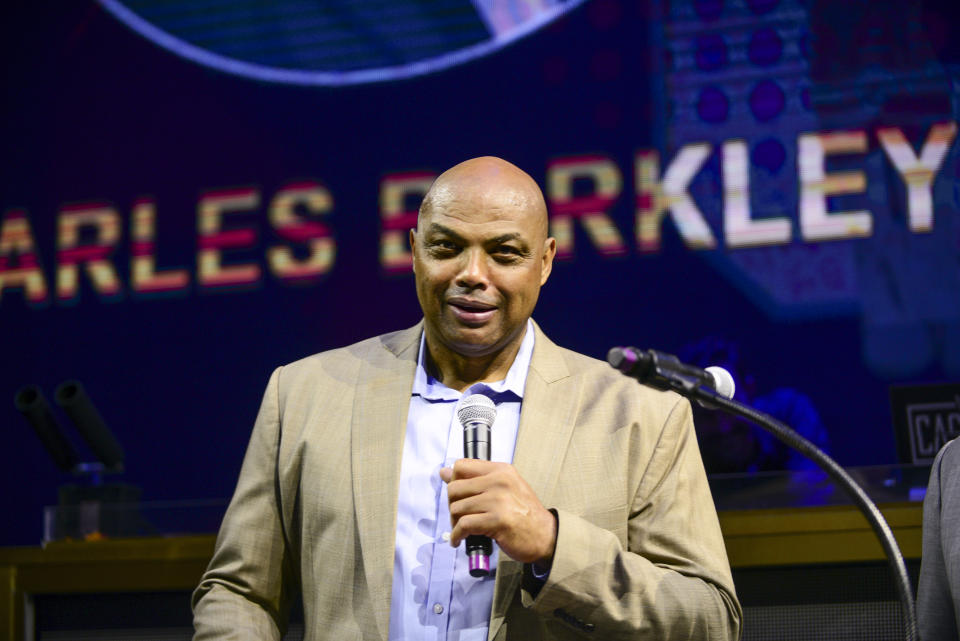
477,413
476,440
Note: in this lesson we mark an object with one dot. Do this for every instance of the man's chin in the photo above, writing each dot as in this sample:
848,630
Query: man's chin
475,341
475,347
469,341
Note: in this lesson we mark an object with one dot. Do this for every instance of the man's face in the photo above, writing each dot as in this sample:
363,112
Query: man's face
480,258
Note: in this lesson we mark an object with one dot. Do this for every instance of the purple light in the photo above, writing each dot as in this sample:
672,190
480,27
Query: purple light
769,154
765,47
708,9
759,7
766,100
805,44
713,106
711,52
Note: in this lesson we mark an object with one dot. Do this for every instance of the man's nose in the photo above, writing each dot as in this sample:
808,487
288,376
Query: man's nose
474,270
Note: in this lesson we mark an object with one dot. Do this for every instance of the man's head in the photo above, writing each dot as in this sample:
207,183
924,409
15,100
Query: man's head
480,255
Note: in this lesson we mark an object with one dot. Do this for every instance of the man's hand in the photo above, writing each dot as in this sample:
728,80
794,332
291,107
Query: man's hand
492,499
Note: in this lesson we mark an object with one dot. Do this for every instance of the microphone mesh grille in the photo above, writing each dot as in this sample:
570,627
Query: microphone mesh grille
476,408
723,381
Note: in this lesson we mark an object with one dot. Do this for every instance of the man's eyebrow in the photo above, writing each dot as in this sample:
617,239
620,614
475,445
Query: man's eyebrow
437,228
503,238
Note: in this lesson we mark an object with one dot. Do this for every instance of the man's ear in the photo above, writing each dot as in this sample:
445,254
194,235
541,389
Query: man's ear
413,249
549,251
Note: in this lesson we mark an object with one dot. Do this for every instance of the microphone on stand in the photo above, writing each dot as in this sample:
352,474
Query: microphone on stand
477,413
665,371
723,384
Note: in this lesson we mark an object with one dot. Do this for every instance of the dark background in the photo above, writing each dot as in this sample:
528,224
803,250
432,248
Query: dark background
95,112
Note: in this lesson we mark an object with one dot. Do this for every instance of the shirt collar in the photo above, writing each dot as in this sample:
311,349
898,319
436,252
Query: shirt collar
429,388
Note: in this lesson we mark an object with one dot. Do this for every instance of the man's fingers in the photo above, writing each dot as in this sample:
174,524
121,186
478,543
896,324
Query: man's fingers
474,514
472,504
467,468
492,499
472,524
462,488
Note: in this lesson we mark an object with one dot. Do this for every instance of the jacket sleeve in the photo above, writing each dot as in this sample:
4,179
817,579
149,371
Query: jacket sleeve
937,600
673,581
244,593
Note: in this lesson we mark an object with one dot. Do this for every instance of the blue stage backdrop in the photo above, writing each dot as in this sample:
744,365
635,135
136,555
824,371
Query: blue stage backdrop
196,192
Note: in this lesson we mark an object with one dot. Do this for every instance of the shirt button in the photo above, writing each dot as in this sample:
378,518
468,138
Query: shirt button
437,608
445,536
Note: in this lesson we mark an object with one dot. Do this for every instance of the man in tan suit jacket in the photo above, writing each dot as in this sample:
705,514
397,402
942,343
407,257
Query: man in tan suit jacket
633,546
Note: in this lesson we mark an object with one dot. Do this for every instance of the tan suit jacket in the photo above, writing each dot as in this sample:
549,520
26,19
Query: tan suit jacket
639,551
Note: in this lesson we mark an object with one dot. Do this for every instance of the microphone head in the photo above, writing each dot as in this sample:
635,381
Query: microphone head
476,408
723,381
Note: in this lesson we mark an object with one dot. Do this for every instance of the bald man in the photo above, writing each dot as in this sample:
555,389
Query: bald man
354,492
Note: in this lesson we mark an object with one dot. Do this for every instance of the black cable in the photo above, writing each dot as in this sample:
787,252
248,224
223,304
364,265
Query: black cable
838,474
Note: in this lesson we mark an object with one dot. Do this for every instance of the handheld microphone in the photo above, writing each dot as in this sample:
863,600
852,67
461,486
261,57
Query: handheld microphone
477,413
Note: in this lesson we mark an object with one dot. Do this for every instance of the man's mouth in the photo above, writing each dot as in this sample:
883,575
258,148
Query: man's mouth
470,311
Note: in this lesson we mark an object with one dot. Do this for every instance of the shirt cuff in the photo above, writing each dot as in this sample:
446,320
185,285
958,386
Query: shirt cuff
537,571
539,574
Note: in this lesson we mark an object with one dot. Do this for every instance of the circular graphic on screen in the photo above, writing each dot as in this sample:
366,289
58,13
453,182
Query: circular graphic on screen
334,42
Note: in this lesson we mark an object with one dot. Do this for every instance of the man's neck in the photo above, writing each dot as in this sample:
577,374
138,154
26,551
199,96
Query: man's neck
459,371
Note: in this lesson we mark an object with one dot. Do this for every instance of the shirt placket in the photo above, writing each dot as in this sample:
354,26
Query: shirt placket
440,593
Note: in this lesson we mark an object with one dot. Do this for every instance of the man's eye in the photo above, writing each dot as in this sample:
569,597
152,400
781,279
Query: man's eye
443,246
506,253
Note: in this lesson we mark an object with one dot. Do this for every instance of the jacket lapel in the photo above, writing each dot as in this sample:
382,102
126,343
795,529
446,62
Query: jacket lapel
379,423
550,400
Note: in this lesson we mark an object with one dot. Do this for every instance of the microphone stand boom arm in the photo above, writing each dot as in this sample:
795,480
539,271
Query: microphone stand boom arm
844,480
663,373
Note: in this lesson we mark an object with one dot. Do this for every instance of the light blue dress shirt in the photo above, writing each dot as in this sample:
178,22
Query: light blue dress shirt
434,597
